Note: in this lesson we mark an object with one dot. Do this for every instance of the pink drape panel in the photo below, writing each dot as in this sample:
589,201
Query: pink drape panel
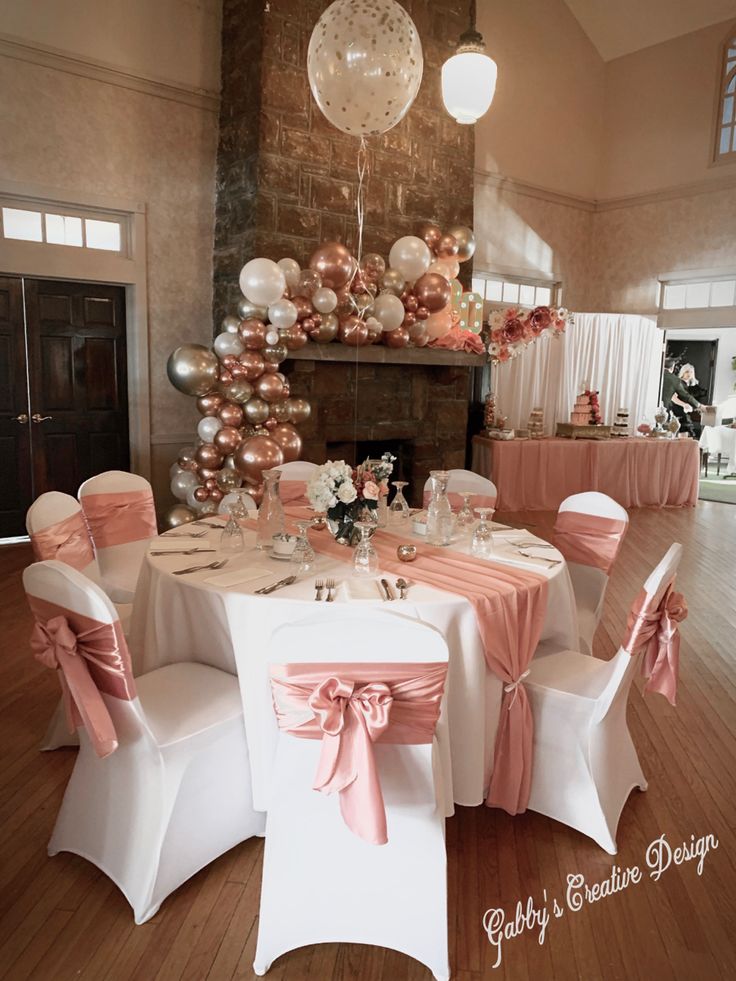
510,606
91,658
456,500
350,707
538,474
116,519
66,540
654,631
589,539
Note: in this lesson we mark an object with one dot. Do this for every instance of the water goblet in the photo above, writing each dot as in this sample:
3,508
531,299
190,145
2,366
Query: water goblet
482,542
465,518
231,538
365,562
398,508
303,557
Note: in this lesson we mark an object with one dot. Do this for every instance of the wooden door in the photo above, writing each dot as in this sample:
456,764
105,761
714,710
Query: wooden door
16,491
78,382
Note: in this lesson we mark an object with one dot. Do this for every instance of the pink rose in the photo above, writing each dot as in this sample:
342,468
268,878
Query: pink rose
503,354
370,490
539,319
513,331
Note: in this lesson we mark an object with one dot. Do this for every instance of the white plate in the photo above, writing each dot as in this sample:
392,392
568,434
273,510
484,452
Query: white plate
281,558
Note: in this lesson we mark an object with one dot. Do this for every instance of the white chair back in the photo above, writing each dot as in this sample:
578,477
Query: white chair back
465,482
298,470
595,503
113,482
224,506
48,510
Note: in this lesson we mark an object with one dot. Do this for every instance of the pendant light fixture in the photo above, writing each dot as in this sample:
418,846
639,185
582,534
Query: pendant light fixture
469,77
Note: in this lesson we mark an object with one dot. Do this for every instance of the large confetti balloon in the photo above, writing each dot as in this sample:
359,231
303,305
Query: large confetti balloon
364,65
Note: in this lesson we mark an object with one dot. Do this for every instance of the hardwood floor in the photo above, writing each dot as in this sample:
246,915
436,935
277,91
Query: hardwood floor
61,918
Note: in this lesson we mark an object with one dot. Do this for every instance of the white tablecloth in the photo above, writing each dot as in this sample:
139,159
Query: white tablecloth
184,618
720,439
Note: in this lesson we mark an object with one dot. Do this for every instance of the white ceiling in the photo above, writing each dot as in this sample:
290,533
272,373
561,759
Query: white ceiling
618,27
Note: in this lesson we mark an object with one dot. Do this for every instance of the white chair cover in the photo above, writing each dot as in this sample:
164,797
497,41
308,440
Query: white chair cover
298,470
585,764
465,482
322,883
176,792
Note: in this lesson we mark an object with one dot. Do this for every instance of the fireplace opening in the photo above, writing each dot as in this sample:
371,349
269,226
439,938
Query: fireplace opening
365,449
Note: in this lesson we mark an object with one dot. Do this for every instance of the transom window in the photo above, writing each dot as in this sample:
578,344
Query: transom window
726,121
51,228
503,290
699,294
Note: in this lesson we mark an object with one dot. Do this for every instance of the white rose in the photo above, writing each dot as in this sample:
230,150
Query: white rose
346,493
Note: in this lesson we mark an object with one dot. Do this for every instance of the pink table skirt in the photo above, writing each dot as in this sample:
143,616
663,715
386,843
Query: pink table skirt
538,474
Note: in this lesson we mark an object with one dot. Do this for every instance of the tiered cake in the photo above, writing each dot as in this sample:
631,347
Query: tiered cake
621,425
580,415
536,423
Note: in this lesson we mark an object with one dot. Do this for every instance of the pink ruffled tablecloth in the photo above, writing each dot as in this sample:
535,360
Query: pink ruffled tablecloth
538,474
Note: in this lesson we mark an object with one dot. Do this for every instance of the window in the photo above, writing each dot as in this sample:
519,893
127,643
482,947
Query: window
698,294
726,119
514,291
51,228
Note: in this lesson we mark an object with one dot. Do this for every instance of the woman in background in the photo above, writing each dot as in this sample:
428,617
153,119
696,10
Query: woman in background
690,421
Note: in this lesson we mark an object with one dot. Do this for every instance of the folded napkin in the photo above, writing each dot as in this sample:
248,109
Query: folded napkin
362,589
239,576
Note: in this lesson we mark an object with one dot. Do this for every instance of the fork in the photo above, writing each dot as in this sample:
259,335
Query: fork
539,558
318,586
183,551
185,534
201,568
331,586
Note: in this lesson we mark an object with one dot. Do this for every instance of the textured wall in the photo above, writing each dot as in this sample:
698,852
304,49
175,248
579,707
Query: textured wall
287,179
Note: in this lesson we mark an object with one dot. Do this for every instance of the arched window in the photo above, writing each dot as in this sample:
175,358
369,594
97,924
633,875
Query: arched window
726,121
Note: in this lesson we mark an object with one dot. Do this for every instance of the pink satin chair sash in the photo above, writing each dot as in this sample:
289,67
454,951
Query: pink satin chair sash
456,500
91,658
293,492
66,540
350,707
655,632
116,519
589,539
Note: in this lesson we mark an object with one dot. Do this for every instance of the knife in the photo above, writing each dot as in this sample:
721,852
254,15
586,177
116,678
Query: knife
390,594
277,585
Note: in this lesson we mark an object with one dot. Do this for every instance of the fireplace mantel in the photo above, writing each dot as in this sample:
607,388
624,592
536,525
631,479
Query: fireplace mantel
378,354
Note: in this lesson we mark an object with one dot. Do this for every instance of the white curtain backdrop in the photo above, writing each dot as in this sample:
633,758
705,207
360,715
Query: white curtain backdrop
618,354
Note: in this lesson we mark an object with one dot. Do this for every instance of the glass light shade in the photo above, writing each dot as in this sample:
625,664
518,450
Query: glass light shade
468,85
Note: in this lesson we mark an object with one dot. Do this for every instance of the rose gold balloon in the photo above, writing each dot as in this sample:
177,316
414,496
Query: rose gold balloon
256,411
438,324
226,377
201,494
280,411
257,454
433,291
238,372
253,334
275,354
299,410
227,439
409,319
270,388
422,313
270,369
256,492
306,325
303,306
252,364
216,495
210,484
396,338
354,332
449,268
345,303
411,303
206,473
289,440
187,460
209,456
374,330
209,404
229,360
447,246
294,337
327,330
432,235
231,414
270,423
418,335
334,264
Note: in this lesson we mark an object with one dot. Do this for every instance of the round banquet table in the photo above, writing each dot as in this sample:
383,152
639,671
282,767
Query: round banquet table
538,474
224,624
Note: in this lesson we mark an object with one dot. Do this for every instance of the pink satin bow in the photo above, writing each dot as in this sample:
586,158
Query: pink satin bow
66,540
117,519
351,720
657,633
56,645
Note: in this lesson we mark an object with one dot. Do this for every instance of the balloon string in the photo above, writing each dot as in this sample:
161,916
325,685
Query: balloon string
363,172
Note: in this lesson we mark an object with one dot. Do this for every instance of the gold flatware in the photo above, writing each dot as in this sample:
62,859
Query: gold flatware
402,585
318,587
390,595
201,568
265,590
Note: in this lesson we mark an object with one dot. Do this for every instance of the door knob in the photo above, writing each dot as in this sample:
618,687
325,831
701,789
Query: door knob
37,417
22,418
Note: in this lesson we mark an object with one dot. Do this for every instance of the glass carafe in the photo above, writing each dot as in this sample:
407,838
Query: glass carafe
439,512
271,511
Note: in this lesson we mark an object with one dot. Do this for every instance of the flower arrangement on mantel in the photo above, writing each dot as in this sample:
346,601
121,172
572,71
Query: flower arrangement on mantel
345,494
514,329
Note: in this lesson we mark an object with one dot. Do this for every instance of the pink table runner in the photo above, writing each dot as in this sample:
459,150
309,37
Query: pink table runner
538,474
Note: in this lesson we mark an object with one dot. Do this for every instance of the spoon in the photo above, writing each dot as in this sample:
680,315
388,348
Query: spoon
402,585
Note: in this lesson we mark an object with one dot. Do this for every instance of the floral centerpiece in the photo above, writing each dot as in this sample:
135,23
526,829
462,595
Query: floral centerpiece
514,329
345,495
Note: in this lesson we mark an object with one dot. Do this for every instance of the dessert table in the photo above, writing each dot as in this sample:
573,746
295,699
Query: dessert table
215,618
538,474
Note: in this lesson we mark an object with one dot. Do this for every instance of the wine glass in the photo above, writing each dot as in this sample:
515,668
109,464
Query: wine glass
482,543
399,509
231,539
365,562
303,557
465,518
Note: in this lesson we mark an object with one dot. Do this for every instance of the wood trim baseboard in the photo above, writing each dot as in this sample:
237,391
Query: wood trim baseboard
47,57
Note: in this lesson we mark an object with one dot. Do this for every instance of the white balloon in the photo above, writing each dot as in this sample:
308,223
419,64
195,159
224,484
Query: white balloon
324,300
272,337
182,483
174,469
282,313
411,256
208,427
192,501
389,310
364,65
230,324
228,344
262,281
291,271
